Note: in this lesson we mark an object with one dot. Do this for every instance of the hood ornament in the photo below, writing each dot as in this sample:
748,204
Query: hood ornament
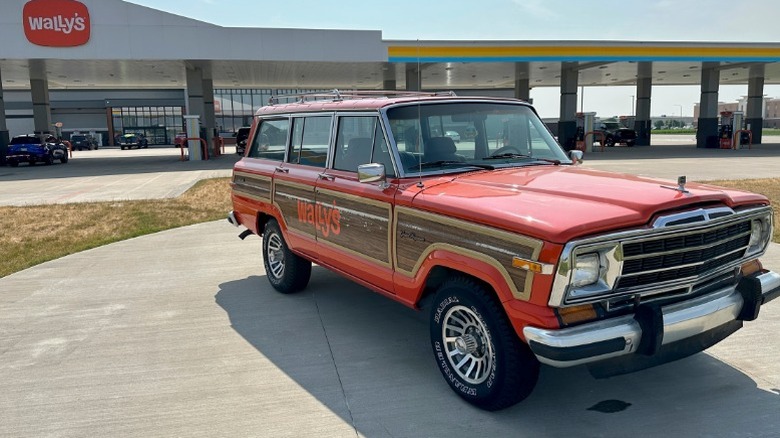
681,180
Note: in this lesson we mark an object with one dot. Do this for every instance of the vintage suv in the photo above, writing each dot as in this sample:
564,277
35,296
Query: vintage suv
520,256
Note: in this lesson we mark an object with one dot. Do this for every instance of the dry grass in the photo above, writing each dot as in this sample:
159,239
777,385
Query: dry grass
36,234
769,187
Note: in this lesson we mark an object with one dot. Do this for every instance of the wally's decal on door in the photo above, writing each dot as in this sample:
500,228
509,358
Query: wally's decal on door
56,23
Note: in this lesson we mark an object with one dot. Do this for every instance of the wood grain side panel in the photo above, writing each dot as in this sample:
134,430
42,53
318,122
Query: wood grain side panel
357,225
418,234
253,186
292,200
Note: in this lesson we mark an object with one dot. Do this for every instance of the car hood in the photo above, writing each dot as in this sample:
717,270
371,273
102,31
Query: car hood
560,203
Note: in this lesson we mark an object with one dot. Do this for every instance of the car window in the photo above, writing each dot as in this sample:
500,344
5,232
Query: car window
360,140
270,141
25,140
354,142
456,137
311,137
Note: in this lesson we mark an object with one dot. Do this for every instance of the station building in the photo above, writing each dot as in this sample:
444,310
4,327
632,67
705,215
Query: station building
108,67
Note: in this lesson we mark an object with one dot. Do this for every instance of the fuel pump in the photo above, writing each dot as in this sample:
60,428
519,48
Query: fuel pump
584,126
730,123
192,126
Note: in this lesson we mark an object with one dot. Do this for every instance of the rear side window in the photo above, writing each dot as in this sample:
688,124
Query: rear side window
311,137
270,142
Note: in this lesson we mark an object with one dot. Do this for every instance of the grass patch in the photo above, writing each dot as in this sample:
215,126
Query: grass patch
769,187
36,234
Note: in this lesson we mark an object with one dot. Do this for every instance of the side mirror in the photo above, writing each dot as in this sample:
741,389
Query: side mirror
373,172
576,156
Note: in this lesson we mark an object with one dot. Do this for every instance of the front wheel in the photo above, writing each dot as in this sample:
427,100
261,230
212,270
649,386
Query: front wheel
64,159
286,271
477,350
609,142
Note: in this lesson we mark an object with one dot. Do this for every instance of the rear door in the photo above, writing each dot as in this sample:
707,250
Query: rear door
296,179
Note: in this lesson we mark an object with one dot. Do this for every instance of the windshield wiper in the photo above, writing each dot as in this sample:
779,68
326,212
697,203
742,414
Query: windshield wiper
511,155
443,163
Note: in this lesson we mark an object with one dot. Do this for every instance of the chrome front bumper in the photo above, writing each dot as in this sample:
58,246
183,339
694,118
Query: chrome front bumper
621,336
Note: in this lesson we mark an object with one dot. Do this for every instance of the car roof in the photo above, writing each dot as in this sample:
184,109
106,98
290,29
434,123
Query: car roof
367,101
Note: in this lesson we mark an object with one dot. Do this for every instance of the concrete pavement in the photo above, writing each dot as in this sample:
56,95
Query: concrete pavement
179,334
110,174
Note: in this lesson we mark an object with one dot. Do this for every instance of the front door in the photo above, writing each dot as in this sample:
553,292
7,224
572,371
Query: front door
355,218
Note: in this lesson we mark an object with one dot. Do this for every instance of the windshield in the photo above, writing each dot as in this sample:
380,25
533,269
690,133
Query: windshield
464,136
25,140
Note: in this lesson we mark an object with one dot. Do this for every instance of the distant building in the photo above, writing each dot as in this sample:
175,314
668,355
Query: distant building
770,113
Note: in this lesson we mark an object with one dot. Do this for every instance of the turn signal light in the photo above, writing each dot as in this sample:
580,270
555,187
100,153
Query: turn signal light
751,267
575,314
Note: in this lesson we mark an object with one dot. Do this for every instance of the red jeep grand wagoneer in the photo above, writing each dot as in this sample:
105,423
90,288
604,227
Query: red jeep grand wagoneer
521,256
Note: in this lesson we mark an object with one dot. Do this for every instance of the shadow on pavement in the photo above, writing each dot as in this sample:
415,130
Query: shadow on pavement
368,360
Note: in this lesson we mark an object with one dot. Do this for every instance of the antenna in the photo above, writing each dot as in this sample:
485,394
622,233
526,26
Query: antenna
420,184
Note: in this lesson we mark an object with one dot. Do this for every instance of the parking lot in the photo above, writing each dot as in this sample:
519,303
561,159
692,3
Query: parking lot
179,334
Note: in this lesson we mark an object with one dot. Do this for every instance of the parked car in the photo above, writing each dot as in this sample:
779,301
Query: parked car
519,256
80,142
129,141
241,137
179,141
31,149
453,135
614,133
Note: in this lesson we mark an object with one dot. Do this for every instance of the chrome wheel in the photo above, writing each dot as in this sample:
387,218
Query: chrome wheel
275,255
467,344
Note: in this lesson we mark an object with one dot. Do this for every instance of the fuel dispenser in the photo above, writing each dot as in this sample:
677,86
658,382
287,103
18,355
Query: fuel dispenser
192,126
584,127
730,124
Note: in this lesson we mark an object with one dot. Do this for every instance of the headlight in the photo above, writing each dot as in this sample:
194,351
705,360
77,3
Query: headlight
594,272
586,270
760,233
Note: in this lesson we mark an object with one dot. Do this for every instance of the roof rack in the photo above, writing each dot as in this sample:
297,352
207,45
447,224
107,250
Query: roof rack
337,95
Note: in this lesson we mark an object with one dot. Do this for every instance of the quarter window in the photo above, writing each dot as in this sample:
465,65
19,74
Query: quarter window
271,140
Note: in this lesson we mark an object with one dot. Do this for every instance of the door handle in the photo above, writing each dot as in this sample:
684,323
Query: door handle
282,169
326,177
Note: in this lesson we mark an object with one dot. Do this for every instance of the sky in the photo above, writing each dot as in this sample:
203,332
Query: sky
754,21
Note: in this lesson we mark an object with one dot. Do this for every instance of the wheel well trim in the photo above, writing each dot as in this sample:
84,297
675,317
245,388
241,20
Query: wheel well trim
472,263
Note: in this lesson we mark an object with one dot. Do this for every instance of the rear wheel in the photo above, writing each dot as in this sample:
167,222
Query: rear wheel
477,350
13,163
286,271
49,160
609,142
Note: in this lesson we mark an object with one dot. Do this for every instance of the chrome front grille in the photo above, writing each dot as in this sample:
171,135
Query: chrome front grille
676,255
682,256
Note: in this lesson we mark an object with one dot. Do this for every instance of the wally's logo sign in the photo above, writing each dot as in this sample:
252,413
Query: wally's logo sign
56,23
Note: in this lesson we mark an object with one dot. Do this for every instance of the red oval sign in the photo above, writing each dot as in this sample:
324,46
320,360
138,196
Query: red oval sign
56,23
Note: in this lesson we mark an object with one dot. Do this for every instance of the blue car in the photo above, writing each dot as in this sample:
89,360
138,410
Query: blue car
30,149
